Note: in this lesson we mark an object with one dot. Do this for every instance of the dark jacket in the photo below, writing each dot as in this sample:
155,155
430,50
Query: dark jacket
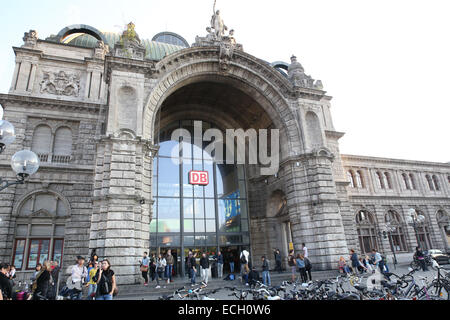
253,276
42,282
355,261
204,262
5,286
265,265
308,265
220,259
191,263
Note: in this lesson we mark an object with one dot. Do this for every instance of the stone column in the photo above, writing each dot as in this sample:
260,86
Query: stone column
122,203
314,209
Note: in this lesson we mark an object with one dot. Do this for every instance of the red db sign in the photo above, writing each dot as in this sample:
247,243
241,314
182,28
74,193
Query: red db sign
199,178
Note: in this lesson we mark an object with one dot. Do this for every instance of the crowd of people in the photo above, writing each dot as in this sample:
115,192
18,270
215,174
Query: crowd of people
363,264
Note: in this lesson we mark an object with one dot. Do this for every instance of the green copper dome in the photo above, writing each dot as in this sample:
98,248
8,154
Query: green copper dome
155,50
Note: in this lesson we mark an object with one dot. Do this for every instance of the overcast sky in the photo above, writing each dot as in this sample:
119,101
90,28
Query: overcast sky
386,63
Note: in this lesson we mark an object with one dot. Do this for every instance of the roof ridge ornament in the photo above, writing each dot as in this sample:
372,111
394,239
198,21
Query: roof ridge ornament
297,76
130,45
30,39
216,37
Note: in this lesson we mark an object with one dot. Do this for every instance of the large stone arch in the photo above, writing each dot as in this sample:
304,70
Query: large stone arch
259,81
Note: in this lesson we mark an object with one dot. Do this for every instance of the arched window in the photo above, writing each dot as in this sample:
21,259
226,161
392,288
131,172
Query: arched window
366,228
380,180
436,183
430,182
387,180
406,181
443,220
359,179
42,142
413,181
397,237
351,178
40,229
423,232
62,147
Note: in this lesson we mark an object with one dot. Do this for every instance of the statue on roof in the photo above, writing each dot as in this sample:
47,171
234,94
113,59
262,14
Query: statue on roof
30,39
130,34
218,25
129,45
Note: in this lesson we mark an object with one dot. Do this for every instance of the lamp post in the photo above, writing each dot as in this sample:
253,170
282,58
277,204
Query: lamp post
413,218
391,228
24,163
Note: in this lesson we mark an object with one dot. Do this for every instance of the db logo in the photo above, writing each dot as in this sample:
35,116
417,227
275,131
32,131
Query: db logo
199,178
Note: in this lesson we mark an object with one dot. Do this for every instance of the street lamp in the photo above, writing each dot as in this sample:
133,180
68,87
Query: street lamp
7,134
24,163
413,218
390,229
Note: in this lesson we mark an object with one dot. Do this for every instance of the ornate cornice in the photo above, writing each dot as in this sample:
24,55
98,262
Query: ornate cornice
61,105
146,67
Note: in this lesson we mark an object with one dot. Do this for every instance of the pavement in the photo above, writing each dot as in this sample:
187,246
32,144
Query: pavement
141,292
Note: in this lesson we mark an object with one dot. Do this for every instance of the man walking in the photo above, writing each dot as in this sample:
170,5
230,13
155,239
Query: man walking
355,261
244,266
265,271
305,250
192,267
277,260
78,274
144,268
378,260
204,268
169,267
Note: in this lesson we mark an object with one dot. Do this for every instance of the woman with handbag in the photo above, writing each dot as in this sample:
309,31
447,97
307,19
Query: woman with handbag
160,267
106,285
144,268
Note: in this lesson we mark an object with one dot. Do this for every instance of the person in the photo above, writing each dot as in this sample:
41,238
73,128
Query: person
368,264
54,276
361,266
305,250
231,262
78,274
89,268
292,264
301,267
244,265
36,271
204,268
152,267
144,268
265,271
354,259
94,273
106,283
41,284
277,257
343,267
378,260
419,255
6,288
219,259
160,267
253,277
170,260
192,264
308,267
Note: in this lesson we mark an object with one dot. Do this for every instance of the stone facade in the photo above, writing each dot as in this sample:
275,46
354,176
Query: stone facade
110,101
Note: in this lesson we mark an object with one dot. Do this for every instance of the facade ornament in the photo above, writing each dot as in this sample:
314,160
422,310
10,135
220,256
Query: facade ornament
298,78
60,83
129,45
218,25
101,50
30,39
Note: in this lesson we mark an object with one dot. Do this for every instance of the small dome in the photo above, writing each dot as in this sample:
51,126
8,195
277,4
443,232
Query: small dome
295,65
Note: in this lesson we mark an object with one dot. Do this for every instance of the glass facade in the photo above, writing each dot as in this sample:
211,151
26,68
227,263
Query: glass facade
192,216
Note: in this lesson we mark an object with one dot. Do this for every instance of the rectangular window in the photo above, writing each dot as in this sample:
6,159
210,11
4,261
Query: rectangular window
38,252
19,251
58,245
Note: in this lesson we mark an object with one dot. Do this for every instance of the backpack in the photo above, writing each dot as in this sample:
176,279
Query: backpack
308,265
243,260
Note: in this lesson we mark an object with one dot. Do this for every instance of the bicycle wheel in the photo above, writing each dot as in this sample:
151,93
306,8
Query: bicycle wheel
415,265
